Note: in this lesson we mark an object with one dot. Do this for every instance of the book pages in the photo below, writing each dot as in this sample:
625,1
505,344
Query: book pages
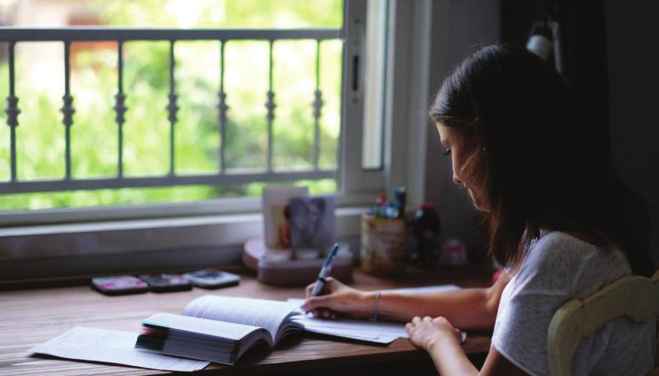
268,314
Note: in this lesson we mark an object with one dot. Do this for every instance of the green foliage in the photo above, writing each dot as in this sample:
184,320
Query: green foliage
197,140
288,14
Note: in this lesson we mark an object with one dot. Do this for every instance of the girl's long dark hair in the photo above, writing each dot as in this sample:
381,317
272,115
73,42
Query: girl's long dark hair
537,156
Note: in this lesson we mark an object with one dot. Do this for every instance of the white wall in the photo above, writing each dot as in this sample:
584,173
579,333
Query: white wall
459,28
633,63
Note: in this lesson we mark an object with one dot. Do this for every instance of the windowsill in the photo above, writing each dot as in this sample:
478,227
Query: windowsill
130,246
130,236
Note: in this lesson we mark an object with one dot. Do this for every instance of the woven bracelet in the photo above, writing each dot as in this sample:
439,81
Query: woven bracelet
376,304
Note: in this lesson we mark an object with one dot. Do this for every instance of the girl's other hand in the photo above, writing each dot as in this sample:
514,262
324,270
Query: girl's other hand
426,333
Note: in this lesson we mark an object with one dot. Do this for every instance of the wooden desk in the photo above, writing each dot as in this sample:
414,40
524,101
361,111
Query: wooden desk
30,316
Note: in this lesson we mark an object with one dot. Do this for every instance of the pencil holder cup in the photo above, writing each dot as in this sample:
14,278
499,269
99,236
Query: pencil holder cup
383,250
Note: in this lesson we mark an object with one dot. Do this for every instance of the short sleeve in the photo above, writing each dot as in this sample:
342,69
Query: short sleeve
520,333
542,284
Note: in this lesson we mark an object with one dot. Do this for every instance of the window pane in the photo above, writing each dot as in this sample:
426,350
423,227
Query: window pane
40,133
247,86
330,117
294,124
197,87
278,14
146,132
94,140
375,85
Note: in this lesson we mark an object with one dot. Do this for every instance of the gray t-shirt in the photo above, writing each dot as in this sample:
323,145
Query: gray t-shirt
559,267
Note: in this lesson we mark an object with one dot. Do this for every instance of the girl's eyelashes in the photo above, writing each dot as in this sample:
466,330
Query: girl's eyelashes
447,152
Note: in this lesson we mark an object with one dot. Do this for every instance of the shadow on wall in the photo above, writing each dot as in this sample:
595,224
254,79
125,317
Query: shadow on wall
633,97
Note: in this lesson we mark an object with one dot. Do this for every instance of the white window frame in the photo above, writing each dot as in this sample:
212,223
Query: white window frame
214,230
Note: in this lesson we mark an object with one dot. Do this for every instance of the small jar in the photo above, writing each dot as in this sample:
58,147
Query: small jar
383,250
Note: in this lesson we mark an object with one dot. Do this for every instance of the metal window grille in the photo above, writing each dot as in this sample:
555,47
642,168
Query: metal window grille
121,35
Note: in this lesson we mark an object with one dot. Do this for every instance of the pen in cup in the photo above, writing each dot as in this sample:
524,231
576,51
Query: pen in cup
325,270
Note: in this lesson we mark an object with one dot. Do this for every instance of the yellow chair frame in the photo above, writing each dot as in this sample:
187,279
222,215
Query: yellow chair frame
633,296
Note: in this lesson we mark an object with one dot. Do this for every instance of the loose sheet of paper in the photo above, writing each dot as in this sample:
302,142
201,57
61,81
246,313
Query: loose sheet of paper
112,346
378,332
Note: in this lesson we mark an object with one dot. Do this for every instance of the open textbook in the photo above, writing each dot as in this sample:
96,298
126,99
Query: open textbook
218,328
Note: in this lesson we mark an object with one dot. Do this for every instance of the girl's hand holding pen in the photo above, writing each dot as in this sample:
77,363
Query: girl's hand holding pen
337,298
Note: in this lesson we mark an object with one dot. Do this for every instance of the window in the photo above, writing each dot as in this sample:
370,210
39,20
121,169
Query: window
197,114
346,162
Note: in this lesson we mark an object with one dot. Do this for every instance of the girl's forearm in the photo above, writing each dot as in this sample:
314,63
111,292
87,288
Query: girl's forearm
464,308
469,308
449,359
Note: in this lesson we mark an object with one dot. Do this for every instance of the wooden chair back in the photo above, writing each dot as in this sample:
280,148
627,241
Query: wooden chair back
634,296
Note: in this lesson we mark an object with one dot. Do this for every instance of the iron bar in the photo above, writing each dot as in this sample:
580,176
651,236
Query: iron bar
317,105
222,108
172,108
12,112
234,176
82,33
270,105
67,109
120,108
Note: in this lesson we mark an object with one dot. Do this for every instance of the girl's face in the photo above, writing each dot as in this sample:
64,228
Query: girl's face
460,153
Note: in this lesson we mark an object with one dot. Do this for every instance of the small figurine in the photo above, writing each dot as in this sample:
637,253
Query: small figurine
426,228
400,198
454,253
380,204
284,229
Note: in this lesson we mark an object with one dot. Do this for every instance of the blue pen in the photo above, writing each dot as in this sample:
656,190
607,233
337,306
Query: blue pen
325,270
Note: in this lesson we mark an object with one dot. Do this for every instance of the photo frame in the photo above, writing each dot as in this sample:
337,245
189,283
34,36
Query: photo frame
313,222
276,214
